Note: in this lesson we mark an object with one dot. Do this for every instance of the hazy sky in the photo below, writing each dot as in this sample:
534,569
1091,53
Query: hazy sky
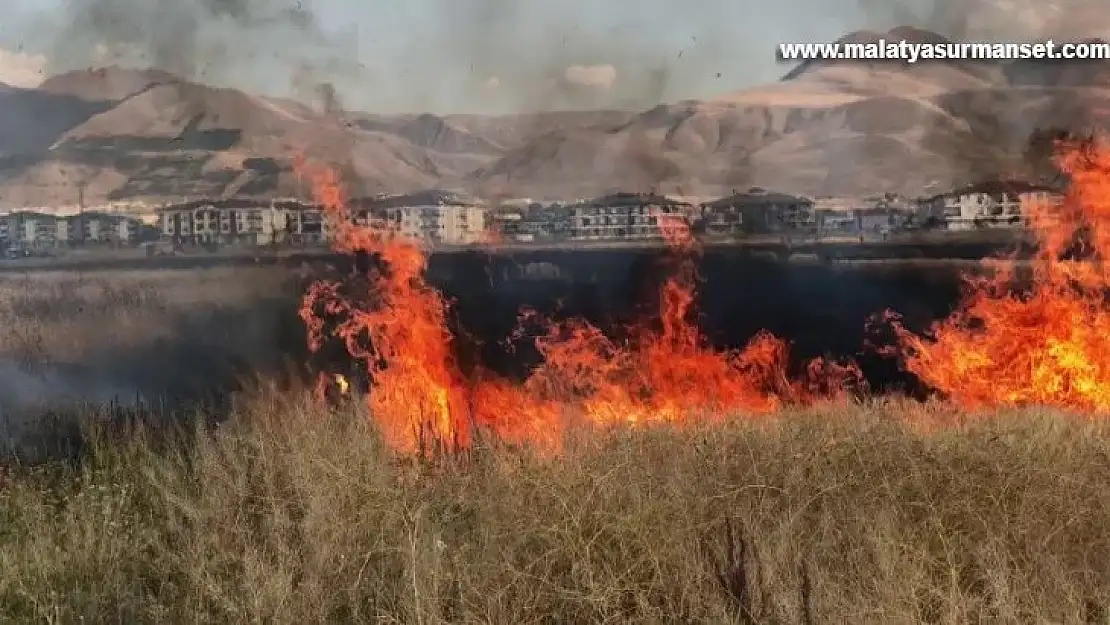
476,55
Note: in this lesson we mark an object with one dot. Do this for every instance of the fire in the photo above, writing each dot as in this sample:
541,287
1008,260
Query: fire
1045,344
420,397
1049,345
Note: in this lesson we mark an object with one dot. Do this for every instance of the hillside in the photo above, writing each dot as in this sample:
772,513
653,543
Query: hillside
147,135
826,127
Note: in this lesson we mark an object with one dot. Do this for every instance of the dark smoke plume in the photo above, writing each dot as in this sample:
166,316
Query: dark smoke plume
994,20
475,56
210,41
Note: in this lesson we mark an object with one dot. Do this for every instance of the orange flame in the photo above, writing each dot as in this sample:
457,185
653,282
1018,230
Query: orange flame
419,394
1045,347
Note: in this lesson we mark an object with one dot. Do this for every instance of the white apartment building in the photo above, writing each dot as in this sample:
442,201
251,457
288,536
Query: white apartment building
992,205
232,221
625,216
762,212
433,217
35,229
40,230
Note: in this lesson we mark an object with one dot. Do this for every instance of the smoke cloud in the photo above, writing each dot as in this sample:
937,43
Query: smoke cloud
268,46
503,55
21,70
594,76
22,389
25,396
995,20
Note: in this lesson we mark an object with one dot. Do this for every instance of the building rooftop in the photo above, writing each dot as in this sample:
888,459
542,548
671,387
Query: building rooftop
757,196
996,187
430,197
633,199
380,202
34,214
285,203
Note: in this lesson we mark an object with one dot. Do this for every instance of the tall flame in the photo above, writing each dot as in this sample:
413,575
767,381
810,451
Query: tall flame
1049,345
1045,344
420,396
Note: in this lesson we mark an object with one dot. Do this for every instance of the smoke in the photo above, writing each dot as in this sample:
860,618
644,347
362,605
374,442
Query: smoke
661,50
442,55
308,88
268,46
26,396
21,388
21,70
1018,121
995,20
495,56
564,58
593,76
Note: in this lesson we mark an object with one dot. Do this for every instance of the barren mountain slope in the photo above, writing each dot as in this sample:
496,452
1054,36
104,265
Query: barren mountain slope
825,128
112,83
177,138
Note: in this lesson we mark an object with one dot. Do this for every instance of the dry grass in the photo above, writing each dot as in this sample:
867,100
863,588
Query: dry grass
72,318
292,515
289,513
169,338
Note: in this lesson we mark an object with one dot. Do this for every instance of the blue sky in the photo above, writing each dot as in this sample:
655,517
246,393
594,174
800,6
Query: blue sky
465,55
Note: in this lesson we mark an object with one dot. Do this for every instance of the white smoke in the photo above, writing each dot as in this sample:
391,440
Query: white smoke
22,70
602,76
26,396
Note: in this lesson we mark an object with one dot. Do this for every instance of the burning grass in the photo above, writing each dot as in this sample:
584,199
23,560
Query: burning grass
648,479
289,514
999,348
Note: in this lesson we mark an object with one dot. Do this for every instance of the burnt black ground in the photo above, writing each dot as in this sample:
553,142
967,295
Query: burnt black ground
820,310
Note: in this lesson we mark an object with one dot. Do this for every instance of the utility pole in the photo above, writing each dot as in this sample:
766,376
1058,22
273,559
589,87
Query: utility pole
80,234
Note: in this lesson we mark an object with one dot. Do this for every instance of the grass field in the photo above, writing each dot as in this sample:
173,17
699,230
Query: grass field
166,336
289,515
68,318
885,512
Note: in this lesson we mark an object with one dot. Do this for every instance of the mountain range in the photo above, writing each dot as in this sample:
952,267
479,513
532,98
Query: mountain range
825,128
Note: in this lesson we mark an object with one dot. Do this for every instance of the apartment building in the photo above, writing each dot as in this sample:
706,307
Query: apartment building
40,230
625,216
759,211
236,221
532,223
993,204
431,216
99,227
434,217
865,215
306,225
35,229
